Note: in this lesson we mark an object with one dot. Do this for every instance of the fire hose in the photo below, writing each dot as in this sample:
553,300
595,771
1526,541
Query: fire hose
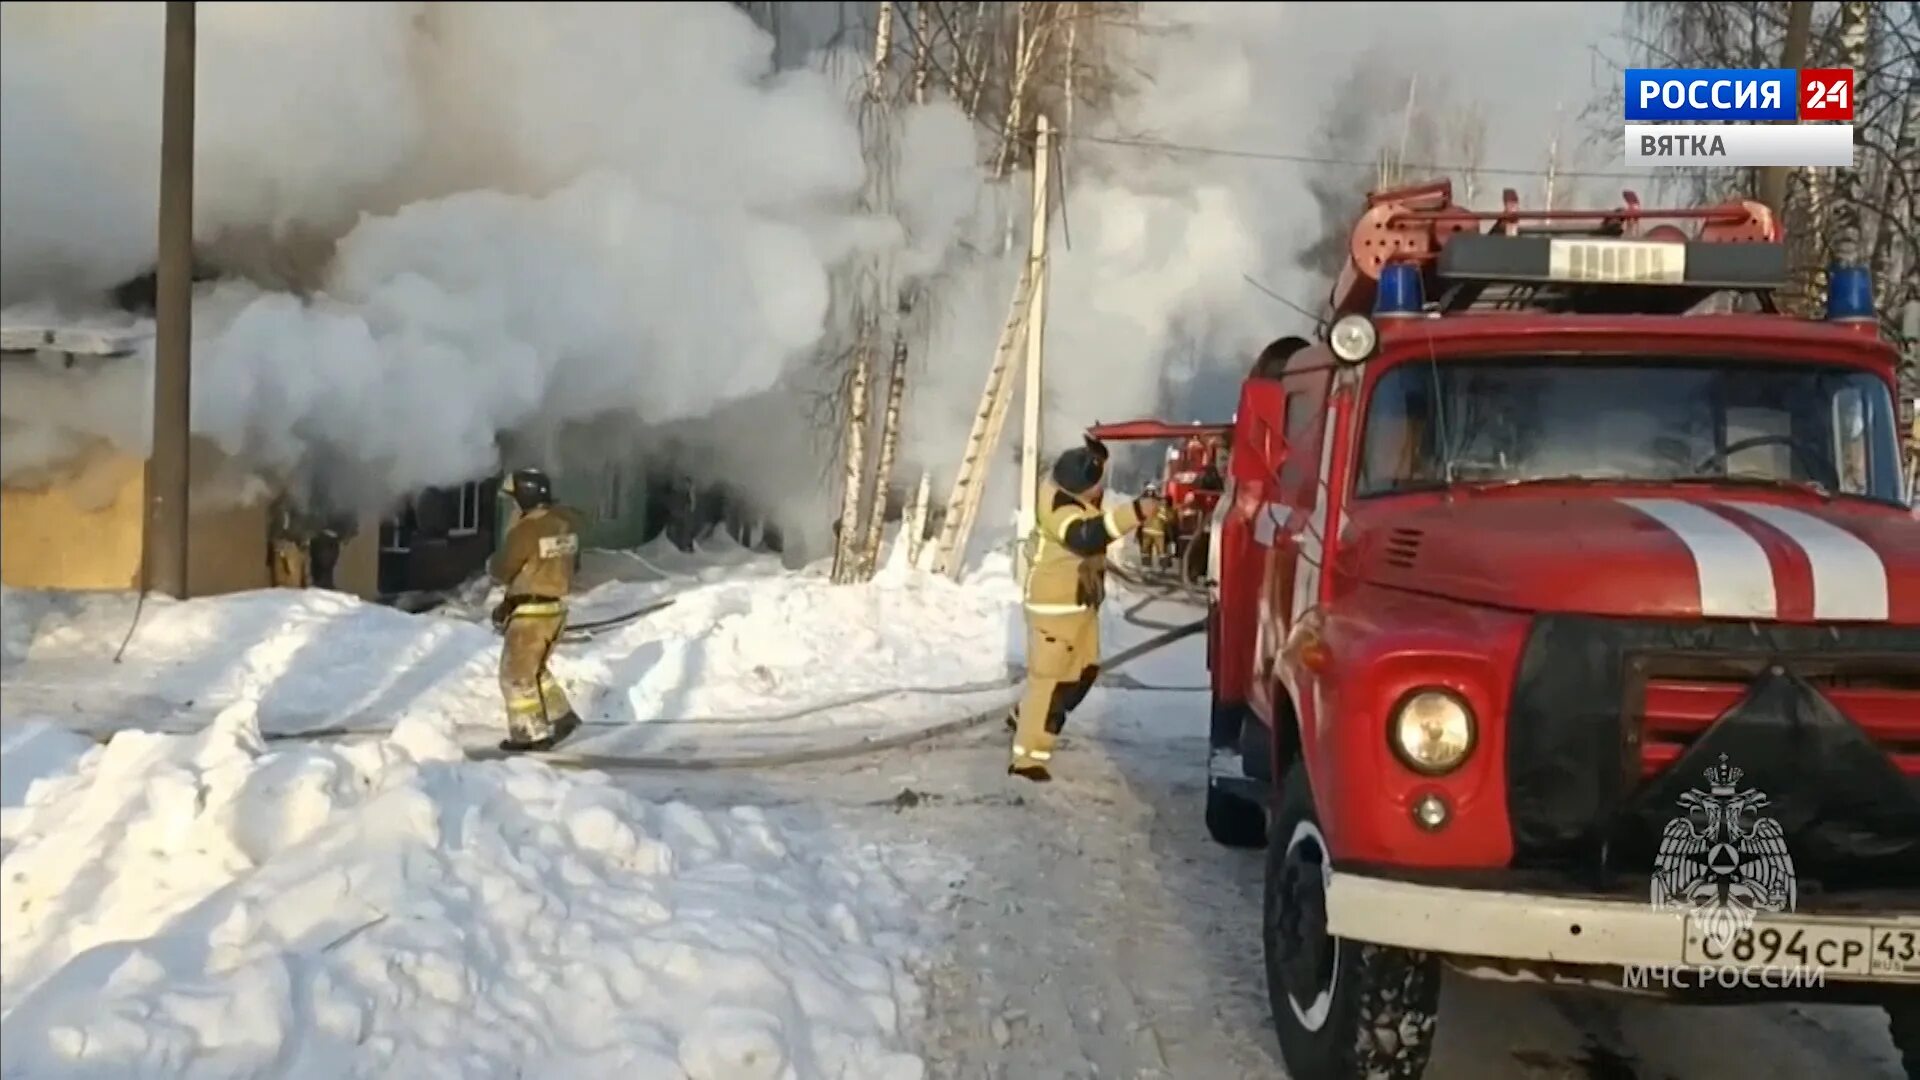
858,748
665,763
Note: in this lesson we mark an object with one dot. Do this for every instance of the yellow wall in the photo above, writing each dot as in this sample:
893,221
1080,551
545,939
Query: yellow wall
81,533
227,550
84,531
358,570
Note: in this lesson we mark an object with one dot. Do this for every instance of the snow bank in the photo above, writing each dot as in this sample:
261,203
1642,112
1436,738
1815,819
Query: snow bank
744,648
201,905
743,639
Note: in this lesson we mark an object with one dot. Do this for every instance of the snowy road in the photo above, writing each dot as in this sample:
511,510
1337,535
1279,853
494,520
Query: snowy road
1100,933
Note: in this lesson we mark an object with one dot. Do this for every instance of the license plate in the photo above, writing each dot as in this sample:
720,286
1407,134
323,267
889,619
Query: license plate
1866,950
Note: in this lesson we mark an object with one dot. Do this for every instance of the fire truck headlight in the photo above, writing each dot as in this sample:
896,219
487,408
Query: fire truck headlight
1432,731
1353,338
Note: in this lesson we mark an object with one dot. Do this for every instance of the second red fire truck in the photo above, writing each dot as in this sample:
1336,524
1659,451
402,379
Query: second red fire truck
1191,482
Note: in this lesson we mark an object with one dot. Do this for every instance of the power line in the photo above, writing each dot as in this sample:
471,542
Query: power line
1314,159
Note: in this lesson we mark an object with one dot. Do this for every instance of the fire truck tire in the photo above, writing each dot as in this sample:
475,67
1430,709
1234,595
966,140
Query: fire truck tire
1193,560
1904,1018
1344,1010
1233,821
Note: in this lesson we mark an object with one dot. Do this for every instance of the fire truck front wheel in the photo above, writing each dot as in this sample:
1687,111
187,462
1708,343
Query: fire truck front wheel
1234,821
1344,1009
1904,1015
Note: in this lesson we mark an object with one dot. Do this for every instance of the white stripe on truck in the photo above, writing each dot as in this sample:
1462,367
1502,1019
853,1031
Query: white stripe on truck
1849,580
1736,578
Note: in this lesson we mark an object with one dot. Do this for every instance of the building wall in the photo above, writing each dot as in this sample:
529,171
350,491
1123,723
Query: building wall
227,550
611,497
358,570
85,532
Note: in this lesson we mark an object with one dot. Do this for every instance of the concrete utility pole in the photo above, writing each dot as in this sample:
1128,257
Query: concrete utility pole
1773,178
169,471
1036,340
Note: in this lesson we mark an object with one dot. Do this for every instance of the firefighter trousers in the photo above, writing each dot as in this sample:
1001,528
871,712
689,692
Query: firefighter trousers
535,701
289,567
1153,545
1063,659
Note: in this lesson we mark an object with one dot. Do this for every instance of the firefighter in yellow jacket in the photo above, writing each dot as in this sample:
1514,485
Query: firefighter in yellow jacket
535,563
1066,582
1153,533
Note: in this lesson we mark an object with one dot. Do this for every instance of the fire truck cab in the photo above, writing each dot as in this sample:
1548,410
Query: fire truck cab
1565,627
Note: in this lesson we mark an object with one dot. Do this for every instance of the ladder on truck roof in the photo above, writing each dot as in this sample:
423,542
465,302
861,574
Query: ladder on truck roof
1629,259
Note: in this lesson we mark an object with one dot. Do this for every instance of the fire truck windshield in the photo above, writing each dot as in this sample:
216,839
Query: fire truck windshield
1635,419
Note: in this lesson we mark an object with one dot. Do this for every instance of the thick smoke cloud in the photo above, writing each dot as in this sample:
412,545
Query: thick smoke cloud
1150,312
463,225
1147,296
503,215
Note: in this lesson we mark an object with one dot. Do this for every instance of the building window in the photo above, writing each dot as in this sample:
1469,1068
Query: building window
466,510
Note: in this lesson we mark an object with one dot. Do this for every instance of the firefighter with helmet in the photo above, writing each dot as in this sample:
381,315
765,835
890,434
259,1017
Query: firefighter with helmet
535,564
1066,582
1153,531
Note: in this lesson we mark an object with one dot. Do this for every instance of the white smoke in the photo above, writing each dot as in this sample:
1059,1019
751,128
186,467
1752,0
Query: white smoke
504,217
542,212
1148,251
1149,309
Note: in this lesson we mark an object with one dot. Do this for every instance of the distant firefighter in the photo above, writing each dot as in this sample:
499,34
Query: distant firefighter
535,563
1153,532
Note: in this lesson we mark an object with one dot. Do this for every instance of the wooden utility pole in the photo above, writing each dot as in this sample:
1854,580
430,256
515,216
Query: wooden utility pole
1773,178
1036,339
169,470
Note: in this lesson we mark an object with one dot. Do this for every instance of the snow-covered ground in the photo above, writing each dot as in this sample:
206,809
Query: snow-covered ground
747,654
192,898
206,905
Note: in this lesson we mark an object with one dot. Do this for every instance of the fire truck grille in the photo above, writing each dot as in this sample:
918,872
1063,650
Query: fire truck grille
1675,711
1613,721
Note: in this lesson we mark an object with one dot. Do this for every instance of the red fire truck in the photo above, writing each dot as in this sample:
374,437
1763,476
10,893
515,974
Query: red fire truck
1567,629
1191,482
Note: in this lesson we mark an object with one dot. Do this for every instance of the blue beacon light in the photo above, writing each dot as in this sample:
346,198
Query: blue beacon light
1849,294
1401,293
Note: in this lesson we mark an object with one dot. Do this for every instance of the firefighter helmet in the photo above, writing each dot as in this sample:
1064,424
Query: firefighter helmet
529,488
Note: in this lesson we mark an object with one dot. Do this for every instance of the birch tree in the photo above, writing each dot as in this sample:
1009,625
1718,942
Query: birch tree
1003,64
875,118
1845,240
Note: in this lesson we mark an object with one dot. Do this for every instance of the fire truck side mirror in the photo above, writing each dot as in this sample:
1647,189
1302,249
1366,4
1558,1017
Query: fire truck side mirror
1259,448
